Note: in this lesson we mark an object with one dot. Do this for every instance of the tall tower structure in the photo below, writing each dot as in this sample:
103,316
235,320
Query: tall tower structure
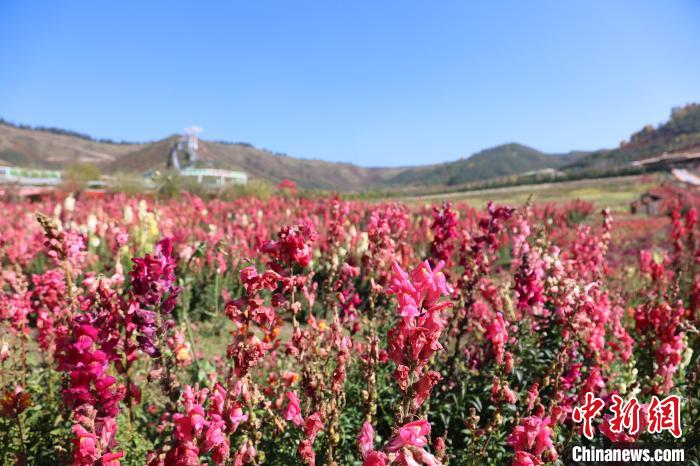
184,151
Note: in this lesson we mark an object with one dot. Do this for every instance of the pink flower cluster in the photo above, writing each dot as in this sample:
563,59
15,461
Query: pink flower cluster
411,345
406,448
201,430
84,352
416,336
292,244
662,323
154,291
532,441
444,232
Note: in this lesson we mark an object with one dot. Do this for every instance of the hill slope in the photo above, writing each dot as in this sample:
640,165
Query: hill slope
47,149
43,149
315,174
33,148
503,160
56,148
680,133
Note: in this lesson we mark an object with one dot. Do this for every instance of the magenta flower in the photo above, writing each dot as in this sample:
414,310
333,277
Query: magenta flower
214,435
293,245
413,434
375,458
444,232
523,458
86,450
366,439
153,277
154,290
533,436
419,291
112,459
293,412
498,335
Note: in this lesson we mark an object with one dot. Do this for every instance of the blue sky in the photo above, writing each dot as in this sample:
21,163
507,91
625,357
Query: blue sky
371,82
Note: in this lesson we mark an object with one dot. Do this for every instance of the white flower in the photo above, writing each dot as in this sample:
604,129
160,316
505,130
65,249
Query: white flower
92,223
143,209
363,244
69,204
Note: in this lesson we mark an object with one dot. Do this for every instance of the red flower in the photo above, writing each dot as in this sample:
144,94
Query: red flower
14,402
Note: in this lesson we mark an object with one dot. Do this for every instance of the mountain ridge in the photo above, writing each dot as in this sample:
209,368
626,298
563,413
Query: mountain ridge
42,148
55,148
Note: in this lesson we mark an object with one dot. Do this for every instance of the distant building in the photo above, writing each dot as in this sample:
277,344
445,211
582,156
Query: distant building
649,203
674,159
184,158
29,176
686,176
214,177
542,173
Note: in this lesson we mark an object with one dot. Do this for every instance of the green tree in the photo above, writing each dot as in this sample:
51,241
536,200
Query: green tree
78,175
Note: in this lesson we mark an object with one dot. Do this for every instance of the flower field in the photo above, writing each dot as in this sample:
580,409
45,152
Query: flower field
296,330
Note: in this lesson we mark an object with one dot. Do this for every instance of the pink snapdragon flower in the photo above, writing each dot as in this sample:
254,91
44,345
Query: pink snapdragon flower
86,449
375,458
407,447
498,335
531,439
293,411
444,229
366,439
419,292
293,245
205,427
414,434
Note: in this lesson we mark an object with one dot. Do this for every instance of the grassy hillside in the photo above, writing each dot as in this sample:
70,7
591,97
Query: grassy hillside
55,148
316,174
503,160
615,192
680,133
313,174
44,149
50,148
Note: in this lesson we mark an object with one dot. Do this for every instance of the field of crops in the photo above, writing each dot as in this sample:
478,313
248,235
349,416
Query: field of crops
306,331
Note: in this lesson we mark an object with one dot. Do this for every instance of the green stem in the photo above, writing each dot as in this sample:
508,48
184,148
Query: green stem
190,337
21,437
